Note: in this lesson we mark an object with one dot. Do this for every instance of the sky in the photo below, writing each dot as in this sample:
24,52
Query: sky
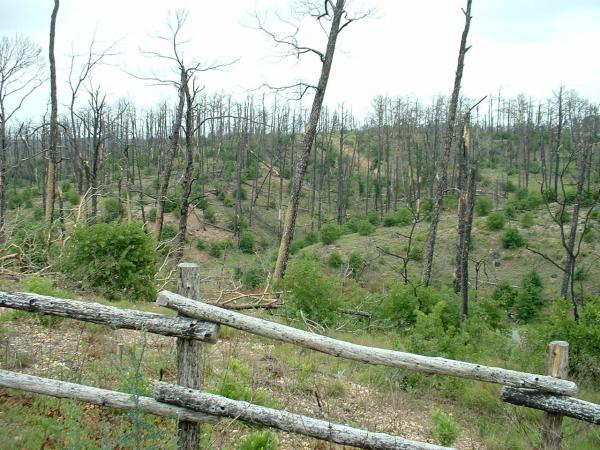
403,48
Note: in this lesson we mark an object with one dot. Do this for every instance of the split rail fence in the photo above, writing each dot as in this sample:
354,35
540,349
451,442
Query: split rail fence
198,322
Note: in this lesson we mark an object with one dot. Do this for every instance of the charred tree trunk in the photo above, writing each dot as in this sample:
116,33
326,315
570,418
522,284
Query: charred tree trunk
443,172
53,149
309,136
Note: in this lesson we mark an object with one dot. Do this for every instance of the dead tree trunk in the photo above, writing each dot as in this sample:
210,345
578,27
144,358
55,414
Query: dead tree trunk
53,150
309,136
443,171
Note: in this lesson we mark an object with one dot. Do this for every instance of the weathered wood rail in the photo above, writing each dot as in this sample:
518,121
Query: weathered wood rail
97,396
131,319
363,353
557,404
198,322
217,405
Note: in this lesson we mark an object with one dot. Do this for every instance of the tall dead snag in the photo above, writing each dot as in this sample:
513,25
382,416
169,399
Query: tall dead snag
334,12
53,149
442,175
20,75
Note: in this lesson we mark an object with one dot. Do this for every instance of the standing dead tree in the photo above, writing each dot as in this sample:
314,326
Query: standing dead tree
336,14
53,149
20,76
186,74
442,175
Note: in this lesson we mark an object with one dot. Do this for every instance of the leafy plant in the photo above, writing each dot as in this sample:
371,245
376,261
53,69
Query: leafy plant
330,233
483,206
496,221
246,244
445,429
527,220
117,259
112,210
260,440
335,260
512,238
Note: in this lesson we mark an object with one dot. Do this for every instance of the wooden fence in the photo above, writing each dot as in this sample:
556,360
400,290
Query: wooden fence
199,322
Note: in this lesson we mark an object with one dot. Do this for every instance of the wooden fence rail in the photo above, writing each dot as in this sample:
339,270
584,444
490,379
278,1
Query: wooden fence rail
282,420
131,319
363,353
97,396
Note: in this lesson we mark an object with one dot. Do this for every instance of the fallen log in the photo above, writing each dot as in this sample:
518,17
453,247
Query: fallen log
282,420
363,353
558,404
102,397
111,316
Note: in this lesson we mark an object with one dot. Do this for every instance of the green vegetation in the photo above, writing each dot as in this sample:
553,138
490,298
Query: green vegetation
118,260
445,429
496,221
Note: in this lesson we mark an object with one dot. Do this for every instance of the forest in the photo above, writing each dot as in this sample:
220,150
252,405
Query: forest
454,227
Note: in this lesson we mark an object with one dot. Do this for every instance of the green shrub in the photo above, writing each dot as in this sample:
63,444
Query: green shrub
116,259
510,211
29,239
335,260
416,254
534,200
529,301
260,440
483,206
445,429
365,228
496,221
112,210
330,233
253,277
172,203
505,295
512,238
311,292
72,197
168,232
236,222
233,384
209,215
527,220
200,244
38,214
215,249
246,244
399,306
583,336
374,217
312,237
296,246
356,264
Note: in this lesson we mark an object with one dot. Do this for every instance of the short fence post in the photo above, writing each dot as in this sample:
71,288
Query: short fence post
558,365
189,357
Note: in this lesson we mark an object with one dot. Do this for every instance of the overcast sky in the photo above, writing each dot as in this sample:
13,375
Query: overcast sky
403,48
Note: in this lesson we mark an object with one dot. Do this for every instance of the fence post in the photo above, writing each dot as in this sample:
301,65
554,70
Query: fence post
189,357
558,365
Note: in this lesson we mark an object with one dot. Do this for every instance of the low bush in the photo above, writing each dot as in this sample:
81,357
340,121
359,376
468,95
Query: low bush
483,206
445,429
496,221
209,215
330,233
112,210
335,260
168,232
356,264
530,300
365,228
116,259
246,244
253,277
152,215
312,293
527,220
512,238
260,440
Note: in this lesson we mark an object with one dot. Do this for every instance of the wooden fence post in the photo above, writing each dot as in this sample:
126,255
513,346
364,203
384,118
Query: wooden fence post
189,357
558,365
